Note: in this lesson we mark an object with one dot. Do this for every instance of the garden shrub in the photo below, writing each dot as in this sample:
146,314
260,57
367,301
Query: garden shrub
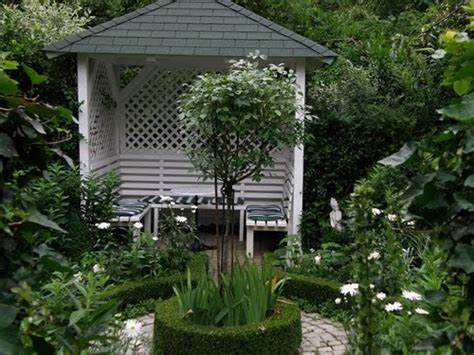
162,287
315,291
279,334
311,288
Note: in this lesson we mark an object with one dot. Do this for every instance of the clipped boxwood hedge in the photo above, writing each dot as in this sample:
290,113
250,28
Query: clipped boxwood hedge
160,287
315,290
312,289
279,334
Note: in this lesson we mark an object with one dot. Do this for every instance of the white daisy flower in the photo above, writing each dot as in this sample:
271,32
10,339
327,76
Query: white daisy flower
97,269
439,54
138,225
461,37
375,255
381,296
349,289
132,329
376,212
338,301
103,225
181,219
392,217
421,311
412,296
77,276
392,307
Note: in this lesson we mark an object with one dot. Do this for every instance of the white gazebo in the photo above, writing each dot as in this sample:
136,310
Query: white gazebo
129,125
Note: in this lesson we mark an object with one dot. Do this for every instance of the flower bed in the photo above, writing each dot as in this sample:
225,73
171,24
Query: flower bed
161,287
279,334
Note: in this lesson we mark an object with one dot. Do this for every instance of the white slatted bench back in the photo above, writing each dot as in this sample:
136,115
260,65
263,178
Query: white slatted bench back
143,175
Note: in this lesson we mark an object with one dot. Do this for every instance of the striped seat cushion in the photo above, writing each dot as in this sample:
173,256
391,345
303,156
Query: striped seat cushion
273,208
122,211
188,200
129,209
265,213
238,201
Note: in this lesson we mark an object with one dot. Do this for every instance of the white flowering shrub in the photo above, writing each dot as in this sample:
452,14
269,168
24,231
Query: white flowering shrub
35,23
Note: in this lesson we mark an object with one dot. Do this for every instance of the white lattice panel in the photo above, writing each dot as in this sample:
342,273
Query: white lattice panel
151,113
102,140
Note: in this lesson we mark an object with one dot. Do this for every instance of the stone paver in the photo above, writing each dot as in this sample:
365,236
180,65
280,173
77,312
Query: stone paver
320,336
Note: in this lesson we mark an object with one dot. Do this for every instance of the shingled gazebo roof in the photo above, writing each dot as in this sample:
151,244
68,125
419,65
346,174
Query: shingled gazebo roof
192,28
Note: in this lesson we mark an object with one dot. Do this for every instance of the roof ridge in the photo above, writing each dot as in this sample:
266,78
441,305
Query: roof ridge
72,39
273,26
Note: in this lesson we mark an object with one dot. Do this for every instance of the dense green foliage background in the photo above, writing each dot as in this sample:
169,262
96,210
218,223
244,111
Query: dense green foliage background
381,91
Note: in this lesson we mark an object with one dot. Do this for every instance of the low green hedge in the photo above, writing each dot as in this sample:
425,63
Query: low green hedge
279,334
161,287
312,289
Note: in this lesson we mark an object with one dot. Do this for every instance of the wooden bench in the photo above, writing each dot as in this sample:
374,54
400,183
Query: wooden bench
186,202
263,218
128,212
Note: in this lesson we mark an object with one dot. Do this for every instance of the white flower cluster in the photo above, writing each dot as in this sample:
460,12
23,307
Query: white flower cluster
353,289
181,219
375,255
103,225
439,54
350,289
411,296
392,307
97,269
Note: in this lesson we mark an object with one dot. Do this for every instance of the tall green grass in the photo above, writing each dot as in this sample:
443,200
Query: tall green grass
247,295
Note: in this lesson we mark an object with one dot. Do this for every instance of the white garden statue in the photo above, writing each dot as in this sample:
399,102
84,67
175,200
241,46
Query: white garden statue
335,217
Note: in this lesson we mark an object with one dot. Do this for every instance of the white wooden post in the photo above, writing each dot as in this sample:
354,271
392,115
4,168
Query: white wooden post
298,152
83,86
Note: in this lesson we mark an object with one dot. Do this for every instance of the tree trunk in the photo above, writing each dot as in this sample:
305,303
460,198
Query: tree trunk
218,239
228,192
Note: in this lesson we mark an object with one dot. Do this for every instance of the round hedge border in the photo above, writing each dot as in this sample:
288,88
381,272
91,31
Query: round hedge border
279,334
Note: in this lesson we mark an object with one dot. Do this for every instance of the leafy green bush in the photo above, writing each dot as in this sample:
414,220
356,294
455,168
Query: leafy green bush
278,334
68,314
154,288
331,261
313,289
246,295
77,204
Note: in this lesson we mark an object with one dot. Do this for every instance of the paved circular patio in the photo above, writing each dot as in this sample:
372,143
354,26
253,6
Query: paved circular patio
320,335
